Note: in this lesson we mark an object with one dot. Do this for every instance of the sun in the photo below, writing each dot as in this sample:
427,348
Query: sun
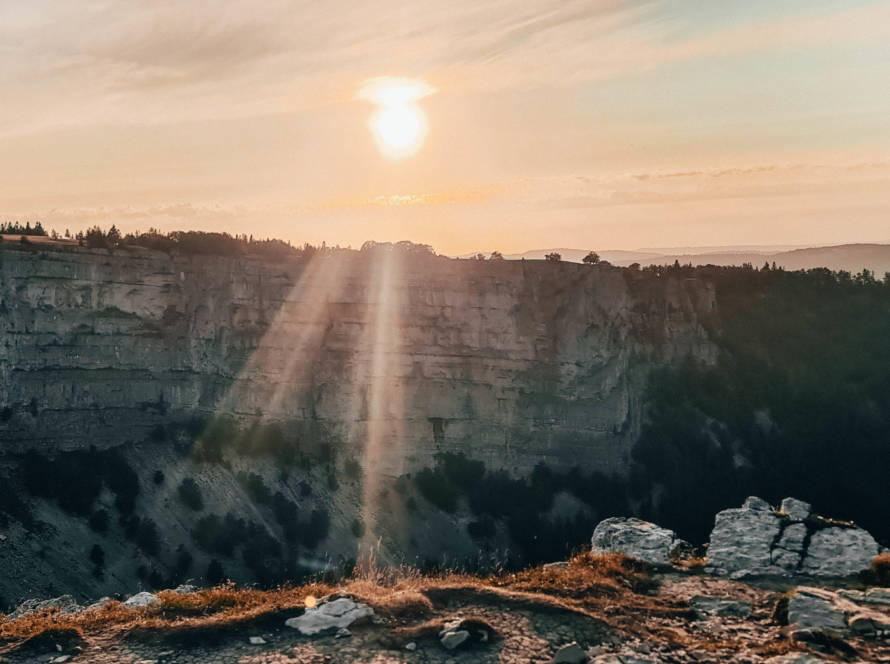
399,126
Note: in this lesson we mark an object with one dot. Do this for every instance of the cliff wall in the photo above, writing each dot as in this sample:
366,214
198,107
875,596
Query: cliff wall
392,356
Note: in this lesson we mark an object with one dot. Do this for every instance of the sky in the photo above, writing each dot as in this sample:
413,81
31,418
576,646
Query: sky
549,123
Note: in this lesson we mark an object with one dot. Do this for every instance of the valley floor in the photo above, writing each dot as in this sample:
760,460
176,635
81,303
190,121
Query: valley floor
613,608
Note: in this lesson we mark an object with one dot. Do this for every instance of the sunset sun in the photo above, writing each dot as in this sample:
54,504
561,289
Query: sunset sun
398,125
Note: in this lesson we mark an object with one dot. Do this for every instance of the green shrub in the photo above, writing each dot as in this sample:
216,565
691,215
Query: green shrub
437,489
220,536
215,573
352,469
190,494
99,521
357,527
147,537
255,488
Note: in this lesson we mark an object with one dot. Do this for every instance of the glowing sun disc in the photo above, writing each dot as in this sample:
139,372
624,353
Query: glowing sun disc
399,131
399,126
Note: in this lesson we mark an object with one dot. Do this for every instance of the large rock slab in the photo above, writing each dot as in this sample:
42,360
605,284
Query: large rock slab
756,540
839,551
743,538
330,616
635,538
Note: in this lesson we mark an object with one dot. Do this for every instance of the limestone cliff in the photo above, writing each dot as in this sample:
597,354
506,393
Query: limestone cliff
386,353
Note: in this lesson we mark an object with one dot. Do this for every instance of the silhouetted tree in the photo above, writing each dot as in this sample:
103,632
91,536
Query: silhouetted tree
591,258
553,257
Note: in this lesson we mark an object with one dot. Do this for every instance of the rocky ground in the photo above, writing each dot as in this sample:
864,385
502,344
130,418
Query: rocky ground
672,616
639,596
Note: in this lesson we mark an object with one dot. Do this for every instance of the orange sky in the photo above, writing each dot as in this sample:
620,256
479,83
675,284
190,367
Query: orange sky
553,123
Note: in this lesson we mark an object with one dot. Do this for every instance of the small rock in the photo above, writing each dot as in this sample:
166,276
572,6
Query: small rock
61,659
794,658
796,509
411,646
342,633
571,653
257,641
185,589
452,640
719,606
869,622
755,503
342,612
98,604
483,636
877,596
561,564
142,599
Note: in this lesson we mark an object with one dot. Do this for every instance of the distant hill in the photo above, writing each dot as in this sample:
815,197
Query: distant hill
851,257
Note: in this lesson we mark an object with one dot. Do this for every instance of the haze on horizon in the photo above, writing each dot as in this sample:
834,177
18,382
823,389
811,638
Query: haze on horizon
600,124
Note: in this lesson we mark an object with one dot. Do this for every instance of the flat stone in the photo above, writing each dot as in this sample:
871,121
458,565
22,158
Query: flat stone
185,589
796,509
571,653
869,622
877,596
635,538
720,606
257,640
452,640
813,609
142,599
795,658
341,612
411,646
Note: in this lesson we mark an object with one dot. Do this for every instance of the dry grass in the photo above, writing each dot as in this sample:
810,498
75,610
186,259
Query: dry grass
402,593
692,564
588,576
611,589
880,567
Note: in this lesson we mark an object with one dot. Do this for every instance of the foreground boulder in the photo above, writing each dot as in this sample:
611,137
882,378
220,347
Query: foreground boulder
63,603
330,616
756,540
635,538
142,599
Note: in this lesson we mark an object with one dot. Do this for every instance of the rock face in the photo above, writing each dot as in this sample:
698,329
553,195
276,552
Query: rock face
330,616
756,540
635,538
485,357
